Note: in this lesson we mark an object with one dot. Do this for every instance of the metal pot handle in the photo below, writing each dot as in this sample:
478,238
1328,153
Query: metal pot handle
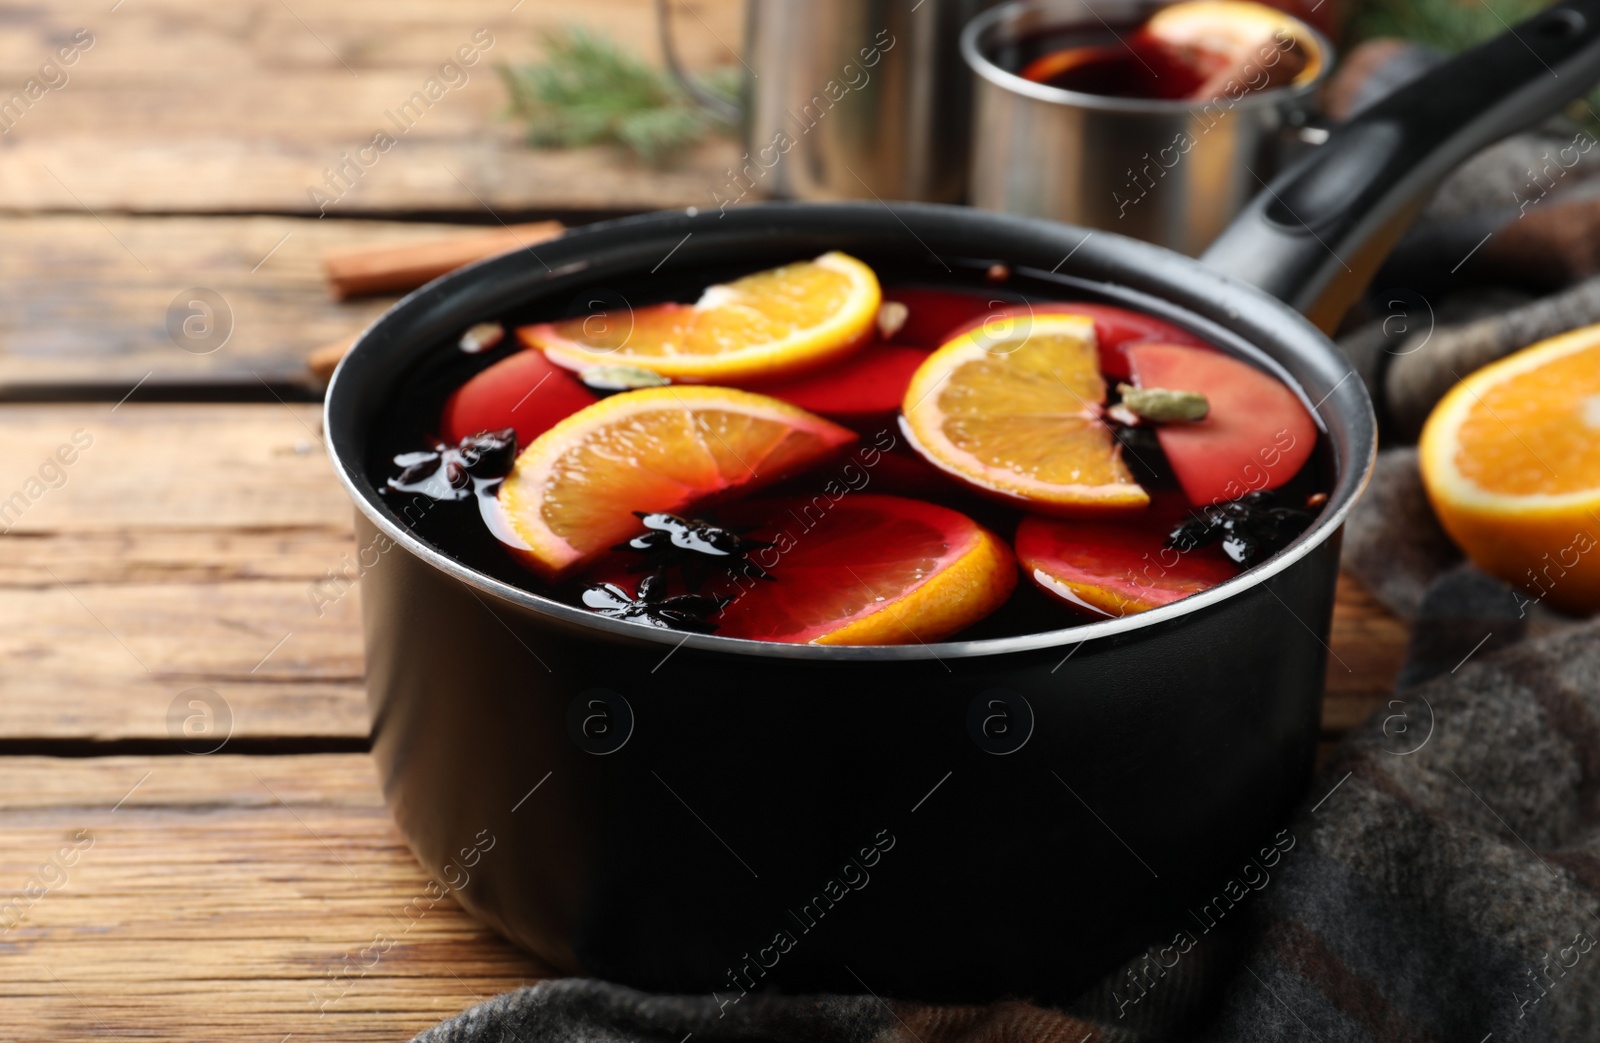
1317,234
717,105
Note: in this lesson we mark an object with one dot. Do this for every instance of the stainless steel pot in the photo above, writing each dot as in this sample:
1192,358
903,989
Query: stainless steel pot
845,99
1168,172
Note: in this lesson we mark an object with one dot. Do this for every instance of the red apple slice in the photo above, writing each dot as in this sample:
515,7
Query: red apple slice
866,387
1258,434
525,391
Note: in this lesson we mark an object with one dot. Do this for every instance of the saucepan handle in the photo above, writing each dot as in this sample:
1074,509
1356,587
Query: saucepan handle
1316,235
710,100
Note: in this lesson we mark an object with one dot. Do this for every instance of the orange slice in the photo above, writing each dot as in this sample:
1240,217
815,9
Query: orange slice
1117,567
769,324
1511,462
1016,413
1253,44
573,491
866,570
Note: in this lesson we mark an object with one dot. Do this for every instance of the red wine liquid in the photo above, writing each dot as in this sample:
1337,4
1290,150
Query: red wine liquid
1133,67
457,527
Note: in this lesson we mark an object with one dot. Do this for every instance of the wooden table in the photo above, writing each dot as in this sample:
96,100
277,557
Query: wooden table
164,576
222,890
183,147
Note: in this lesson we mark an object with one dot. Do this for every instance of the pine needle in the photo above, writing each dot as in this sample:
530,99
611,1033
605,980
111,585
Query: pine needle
1449,25
1453,26
588,91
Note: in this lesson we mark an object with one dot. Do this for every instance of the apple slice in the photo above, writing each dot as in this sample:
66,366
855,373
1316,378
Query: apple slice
1258,433
525,391
865,388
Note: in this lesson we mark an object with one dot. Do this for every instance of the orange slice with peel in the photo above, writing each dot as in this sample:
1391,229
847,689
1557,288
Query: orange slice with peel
866,569
573,491
1253,44
769,324
1511,462
1016,413
1117,567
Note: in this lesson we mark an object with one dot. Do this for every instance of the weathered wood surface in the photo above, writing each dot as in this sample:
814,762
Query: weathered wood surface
178,553
184,106
228,896
224,897
181,552
86,299
189,107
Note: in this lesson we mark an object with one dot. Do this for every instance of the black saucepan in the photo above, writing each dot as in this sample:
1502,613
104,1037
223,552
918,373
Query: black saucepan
958,821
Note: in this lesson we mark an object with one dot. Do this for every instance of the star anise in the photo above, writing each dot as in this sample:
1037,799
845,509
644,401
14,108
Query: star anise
1250,528
446,472
489,454
650,605
671,540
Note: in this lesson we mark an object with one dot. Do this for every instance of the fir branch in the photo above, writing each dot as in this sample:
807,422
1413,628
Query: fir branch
1453,26
589,91
1449,25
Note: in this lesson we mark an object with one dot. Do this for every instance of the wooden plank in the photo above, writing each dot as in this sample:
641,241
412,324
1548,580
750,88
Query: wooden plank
88,299
180,553
221,899
206,468
190,106
1366,649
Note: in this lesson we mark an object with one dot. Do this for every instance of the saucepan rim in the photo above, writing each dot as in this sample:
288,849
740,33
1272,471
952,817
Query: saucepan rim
994,19
1350,477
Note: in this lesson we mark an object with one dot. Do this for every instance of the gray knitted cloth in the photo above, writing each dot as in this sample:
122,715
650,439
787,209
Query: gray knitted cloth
1443,883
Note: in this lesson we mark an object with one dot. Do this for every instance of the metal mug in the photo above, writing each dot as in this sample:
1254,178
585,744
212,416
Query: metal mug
1168,172
848,99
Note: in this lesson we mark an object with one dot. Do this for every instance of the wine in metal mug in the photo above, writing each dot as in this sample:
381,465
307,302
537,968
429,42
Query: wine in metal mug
1168,171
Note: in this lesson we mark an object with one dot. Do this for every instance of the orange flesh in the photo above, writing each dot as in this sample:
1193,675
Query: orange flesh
792,298
1030,415
669,460
1554,411
574,490
761,327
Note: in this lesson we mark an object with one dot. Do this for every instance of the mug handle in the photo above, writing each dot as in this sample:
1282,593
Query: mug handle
714,103
1316,235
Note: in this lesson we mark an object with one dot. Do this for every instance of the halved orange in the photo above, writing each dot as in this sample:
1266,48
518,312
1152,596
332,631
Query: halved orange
1016,413
766,325
865,569
572,493
1511,462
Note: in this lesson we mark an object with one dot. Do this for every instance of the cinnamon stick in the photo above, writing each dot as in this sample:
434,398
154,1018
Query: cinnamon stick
369,270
